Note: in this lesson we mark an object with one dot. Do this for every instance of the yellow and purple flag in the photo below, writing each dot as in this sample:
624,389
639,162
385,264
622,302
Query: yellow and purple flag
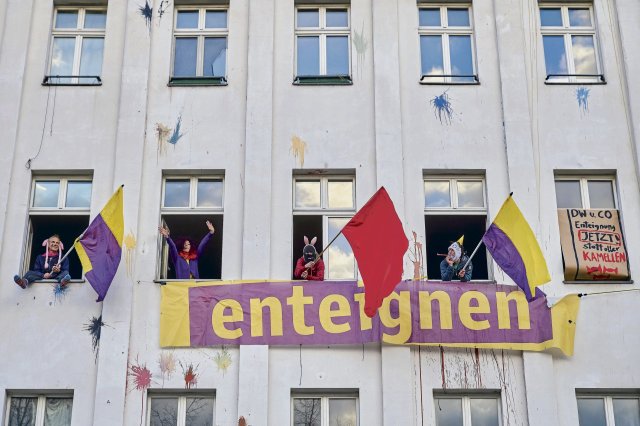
513,246
100,246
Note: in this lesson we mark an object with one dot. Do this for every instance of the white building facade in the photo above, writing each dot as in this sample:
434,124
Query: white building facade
241,112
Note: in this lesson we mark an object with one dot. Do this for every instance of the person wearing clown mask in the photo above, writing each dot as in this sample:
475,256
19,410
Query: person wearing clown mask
47,265
309,266
452,266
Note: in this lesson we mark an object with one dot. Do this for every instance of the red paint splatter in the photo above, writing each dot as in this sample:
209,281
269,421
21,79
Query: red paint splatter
190,376
141,376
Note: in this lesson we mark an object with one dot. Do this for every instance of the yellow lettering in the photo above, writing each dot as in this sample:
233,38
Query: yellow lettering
404,317
297,302
465,310
275,314
444,306
365,321
504,314
219,318
326,313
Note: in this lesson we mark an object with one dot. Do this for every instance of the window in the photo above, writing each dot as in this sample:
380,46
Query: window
39,410
608,410
59,205
77,45
446,44
570,44
585,192
454,206
467,410
321,208
187,203
180,409
200,46
324,410
322,45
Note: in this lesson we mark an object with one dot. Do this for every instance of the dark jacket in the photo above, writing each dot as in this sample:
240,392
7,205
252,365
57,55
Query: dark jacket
316,273
447,272
184,270
39,265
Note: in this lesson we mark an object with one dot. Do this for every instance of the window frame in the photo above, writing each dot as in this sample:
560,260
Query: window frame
182,402
40,403
79,34
445,31
324,404
453,194
567,31
322,31
584,187
200,33
608,401
466,403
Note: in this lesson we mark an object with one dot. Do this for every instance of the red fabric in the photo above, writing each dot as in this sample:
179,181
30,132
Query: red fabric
378,241
316,273
192,255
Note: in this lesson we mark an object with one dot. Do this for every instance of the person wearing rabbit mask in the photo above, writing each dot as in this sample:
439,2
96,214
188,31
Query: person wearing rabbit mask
47,265
309,266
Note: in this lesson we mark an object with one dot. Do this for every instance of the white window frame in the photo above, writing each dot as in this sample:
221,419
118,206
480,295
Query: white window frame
40,405
182,404
567,31
446,31
200,33
453,194
193,195
466,404
324,404
325,211
322,32
584,187
79,33
608,402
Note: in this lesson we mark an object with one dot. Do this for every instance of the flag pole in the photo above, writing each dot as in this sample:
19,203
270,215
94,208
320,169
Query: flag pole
472,254
330,242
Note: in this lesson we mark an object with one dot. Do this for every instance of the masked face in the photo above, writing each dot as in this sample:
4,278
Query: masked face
309,253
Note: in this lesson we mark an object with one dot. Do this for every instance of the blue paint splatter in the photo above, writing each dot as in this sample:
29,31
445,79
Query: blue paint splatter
442,108
95,328
147,13
176,135
59,292
582,96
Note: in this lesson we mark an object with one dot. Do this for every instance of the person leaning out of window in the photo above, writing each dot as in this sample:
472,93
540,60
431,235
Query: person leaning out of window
185,261
452,266
47,265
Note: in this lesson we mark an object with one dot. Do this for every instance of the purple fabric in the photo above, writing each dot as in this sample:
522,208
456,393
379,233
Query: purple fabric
104,252
184,270
507,257
202,301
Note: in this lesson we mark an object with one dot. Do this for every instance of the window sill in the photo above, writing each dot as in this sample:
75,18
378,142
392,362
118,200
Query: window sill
323,80
599,282
572,79
464,282
201,280
80,80
198,81
73,281
429,80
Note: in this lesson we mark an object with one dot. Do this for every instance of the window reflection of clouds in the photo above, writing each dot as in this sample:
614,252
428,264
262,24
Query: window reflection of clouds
78,194
176,193
436,194
209,193
307,193
484,412
340,194
554,54
342,412
626,411
431,48
46,194
340,258
579,18
470,194
62,55
584,55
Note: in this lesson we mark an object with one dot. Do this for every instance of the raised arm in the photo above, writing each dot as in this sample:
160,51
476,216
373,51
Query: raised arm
173,251
206,238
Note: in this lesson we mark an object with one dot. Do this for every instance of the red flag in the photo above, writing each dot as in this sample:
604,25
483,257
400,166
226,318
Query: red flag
378,241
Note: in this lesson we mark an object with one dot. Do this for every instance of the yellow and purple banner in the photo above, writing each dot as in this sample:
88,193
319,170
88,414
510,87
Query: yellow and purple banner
332,312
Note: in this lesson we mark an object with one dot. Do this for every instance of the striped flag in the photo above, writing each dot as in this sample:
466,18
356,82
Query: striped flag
100,246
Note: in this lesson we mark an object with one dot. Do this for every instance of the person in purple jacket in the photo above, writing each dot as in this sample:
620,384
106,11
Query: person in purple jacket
185,261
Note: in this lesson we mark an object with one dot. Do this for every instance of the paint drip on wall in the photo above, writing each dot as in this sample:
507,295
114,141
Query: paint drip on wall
167,364
190,374
129,245
298,149
176,135
162,136
223,360
94,327
361,44
416,257
141,381
442,108
162,8
582,96
59,292
146,12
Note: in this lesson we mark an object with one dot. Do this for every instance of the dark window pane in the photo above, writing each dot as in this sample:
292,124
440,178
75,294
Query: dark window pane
448,412
199,412
215,56
176,193
591,412
184,61
555,57
216,19
431,53
568,194
337,18
67,19
579,17
308,56
484,412
342,412
429,17
22,411
458,17
308,18
163,412
461,56
57,412
306,412
584,55
601,194
187,19
91,59
95,19
78,194
551,17
337,55
626,411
